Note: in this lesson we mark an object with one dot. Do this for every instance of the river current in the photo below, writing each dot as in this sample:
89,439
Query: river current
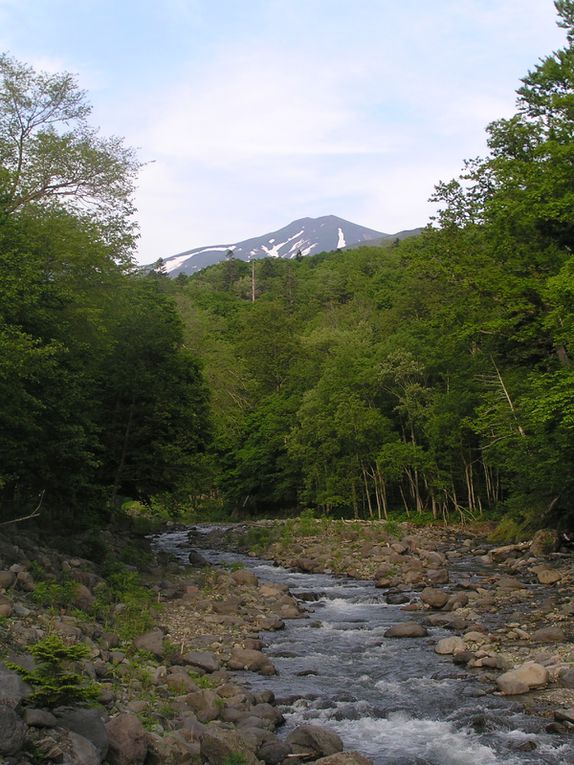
394,700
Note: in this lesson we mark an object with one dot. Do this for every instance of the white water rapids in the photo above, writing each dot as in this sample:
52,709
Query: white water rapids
394,700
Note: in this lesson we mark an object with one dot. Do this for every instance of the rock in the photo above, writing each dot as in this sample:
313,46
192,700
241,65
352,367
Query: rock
127,740
433,597
177,748
545,541
396,598
219,745
82,597
406,630
87,723
6,606
273,752
522,679
12,731
549,635
565,715
314,738
344,758
567,678
197,559
272,589
245,577
12,688
449,645
65,746
251,661
80,750
7,579
205,704
25,581
203,659
230,606
547,575
180,682
151,641
437,576
39,718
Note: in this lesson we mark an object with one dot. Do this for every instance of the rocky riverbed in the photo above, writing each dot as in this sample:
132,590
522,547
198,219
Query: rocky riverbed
194,686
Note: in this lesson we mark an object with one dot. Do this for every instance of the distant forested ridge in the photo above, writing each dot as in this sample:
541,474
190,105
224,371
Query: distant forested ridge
434,376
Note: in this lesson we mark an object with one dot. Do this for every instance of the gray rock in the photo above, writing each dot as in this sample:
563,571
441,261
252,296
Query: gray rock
218,745
549,635
567,678
87,723
203,659
433,597
7,579
151,641
522,679
450,645
314,738
12,688
177,748
205,704
406,630
39,718
12,731
273,752
245,577
251,661
127,740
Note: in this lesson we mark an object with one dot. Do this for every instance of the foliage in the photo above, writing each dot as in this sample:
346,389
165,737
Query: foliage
431,379
54,679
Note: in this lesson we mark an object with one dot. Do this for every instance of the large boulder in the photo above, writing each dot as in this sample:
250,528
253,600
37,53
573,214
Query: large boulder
204,660
450,645
67,747
177,748
13,689
87,723
219,745
127,740
522,679
433,597
552,634
245,577
12,731
151,641
205,704
406,630
251,661
314,739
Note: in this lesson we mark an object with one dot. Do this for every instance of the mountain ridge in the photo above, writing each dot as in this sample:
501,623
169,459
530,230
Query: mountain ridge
301,237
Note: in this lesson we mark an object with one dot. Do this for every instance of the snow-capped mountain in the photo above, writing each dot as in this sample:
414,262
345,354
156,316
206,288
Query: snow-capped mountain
306,236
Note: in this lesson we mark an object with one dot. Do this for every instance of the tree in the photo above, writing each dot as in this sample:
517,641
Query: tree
49,153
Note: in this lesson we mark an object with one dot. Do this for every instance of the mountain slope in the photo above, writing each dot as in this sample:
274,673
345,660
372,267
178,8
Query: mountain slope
306,236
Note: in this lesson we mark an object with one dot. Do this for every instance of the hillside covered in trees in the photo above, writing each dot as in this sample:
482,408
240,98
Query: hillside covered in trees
430,377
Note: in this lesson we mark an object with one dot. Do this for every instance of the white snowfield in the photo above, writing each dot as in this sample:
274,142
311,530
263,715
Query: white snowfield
341,242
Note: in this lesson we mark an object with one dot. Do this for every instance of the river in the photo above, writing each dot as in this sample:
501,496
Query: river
394,700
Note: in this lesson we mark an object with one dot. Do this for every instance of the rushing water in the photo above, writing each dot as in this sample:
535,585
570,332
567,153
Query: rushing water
394,700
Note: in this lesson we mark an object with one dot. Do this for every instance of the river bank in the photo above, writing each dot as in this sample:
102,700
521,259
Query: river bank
510,608
172,647
155,681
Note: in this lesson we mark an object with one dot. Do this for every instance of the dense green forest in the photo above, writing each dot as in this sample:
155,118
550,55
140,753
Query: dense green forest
99,398
432,377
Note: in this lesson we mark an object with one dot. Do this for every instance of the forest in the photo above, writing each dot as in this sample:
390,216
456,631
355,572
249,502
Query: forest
432,378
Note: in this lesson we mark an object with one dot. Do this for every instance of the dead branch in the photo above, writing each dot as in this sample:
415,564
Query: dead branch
34,514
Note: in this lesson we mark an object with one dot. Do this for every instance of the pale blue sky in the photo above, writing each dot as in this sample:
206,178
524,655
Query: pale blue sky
257,112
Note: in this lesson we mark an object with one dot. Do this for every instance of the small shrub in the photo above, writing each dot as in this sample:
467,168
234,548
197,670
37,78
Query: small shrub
235,758
52,594
54,680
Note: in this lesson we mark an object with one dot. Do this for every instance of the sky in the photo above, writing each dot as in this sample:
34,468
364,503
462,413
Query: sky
249,114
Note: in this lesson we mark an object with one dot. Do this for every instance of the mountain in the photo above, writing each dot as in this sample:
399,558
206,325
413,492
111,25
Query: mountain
306,236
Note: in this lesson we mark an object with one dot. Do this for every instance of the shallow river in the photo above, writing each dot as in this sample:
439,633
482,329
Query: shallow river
394,700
